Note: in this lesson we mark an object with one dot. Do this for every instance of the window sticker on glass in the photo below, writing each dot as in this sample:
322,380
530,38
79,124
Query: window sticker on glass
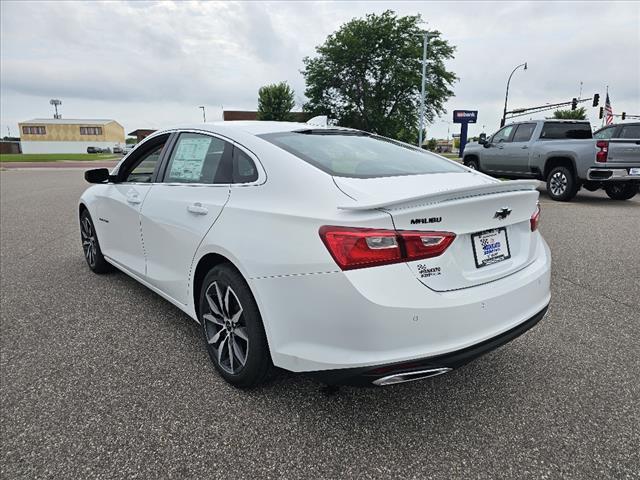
189,159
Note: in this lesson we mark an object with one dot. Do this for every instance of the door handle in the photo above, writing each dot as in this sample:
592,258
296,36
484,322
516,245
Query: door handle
500,147
134,198
524,147
198,209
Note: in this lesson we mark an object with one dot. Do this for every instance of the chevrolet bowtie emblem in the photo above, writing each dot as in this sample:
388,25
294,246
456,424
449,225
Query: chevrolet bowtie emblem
502,213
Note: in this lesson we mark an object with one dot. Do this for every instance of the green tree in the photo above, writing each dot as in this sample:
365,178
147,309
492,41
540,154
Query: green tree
275,102
577,114
368,75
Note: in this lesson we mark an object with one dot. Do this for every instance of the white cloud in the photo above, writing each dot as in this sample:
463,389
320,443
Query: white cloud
152,64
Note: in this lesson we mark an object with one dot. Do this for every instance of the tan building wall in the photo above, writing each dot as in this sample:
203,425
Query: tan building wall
111,132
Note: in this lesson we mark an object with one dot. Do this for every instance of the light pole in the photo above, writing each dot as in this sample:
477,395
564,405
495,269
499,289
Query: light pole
55,102
425,43
506,96
204,115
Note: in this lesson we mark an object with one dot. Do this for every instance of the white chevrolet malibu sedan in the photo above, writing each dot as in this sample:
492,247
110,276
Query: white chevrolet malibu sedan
330,251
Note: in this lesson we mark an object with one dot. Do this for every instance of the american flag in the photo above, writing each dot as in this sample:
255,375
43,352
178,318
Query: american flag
608,111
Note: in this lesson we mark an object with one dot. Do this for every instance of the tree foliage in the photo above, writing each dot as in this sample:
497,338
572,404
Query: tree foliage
275,102
368,75
577,114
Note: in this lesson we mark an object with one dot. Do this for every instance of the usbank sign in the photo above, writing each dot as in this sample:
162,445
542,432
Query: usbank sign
465,116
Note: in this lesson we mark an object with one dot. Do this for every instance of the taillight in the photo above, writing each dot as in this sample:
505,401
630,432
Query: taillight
601,156
535,218
366,247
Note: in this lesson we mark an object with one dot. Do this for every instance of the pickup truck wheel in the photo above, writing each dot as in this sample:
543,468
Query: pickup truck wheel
561,184
472,164
621,191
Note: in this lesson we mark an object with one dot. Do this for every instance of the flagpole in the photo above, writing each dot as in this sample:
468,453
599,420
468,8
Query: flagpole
606,98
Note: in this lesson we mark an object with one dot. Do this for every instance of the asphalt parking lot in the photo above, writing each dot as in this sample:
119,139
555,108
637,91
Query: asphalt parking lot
101,378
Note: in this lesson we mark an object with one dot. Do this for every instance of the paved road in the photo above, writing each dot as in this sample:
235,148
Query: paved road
61,164
103,379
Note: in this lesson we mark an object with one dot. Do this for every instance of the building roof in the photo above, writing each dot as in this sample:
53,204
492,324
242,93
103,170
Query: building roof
235,115
71,121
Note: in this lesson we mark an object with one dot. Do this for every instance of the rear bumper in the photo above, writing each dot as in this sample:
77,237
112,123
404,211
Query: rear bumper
424,367
611,174
385,315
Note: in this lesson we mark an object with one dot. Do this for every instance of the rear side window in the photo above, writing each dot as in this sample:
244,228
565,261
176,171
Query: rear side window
605,133
524,132
630,131
359,155
244,170
196,159
565,131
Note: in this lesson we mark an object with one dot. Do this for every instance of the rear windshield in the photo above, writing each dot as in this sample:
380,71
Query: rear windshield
359,155
563,131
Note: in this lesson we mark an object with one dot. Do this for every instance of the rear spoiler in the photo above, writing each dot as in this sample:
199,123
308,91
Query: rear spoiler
448,195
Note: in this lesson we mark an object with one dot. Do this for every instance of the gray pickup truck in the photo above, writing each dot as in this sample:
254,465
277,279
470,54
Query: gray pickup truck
565,154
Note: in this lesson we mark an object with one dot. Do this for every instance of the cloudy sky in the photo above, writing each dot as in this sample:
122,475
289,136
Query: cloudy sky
150,65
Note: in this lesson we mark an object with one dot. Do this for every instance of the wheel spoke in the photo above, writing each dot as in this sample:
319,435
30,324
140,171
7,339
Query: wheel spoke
230,348
242,358
227,312
236,316
212,304
220,349
242,333
219,301
216,337
212,319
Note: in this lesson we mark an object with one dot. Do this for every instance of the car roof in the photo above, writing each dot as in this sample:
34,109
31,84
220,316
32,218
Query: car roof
252,127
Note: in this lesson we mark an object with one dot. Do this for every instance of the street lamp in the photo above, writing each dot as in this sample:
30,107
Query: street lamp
426,36
506,96
204,115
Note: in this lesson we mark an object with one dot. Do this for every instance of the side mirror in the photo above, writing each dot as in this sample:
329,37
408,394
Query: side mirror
97,175
482,139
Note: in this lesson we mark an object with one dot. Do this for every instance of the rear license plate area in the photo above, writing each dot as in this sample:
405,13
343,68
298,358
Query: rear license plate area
490,247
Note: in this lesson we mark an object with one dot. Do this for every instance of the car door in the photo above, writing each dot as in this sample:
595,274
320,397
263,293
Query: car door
120,204
515,153
492,157
182,207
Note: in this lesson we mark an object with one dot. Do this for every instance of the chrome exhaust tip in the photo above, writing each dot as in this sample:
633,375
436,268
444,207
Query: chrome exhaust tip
410,376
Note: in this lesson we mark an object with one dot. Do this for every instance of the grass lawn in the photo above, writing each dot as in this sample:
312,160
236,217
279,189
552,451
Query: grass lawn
55,157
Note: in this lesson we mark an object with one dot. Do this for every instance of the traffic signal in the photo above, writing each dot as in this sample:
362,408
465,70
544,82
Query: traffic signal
574,104
601,112
596,99
624,115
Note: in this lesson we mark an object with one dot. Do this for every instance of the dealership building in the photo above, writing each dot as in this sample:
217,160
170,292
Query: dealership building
56,135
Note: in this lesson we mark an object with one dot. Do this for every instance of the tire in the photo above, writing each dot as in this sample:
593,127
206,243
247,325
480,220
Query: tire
561,184
621,190
91,245
473,164
232,329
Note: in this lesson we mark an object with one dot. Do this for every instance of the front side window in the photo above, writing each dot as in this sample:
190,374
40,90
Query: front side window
503,135
565,131
142,172
196,159
345,153
605,133
524,132
630,131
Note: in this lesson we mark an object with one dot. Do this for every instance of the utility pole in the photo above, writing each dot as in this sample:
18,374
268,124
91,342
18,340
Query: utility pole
506,96
55,102
204,115
425,45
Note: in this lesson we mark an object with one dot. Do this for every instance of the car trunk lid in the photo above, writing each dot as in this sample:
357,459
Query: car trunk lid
466,204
